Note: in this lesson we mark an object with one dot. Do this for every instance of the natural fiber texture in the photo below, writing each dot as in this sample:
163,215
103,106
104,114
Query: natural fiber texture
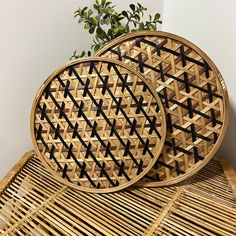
193,94
34,203
97,124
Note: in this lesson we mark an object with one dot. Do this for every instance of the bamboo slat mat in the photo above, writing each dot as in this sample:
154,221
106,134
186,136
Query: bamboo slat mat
32,202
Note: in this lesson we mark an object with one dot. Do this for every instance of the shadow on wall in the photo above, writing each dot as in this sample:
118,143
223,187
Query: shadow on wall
228,147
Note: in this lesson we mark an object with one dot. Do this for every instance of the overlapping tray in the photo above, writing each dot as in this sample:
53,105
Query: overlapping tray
192,91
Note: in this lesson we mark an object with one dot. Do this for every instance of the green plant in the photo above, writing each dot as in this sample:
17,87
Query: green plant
106,23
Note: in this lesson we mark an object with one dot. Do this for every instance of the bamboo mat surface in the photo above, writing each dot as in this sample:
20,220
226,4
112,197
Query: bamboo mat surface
32,202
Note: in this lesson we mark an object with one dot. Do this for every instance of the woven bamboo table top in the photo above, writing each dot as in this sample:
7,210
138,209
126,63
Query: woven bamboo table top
98,125
193,93
32,202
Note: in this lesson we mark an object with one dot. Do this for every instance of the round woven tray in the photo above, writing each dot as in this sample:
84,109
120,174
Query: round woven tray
97,125
192,91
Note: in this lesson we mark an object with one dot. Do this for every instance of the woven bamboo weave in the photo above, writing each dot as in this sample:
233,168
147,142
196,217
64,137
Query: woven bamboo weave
193,94
33,202
98,125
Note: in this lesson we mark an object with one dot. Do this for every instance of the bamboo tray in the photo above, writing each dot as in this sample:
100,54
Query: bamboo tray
97,125
32,202
193,93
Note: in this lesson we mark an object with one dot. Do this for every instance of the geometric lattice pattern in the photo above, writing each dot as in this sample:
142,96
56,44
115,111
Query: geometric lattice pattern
192,92
98,125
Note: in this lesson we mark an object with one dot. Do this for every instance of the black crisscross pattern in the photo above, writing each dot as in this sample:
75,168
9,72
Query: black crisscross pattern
191,92
98,125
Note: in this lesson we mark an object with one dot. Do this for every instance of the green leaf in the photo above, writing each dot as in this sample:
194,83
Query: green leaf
132,6
105,16
110,33
141,26
96,47
95,39
103,2
107,21
127,30
82,54
94,21
95,6
80,20
125,14
115,18
119,29
100,32
110,11
91,30
83,10
137,17
157,17
90,12
76,13
140,6
87,26
74,55
108,3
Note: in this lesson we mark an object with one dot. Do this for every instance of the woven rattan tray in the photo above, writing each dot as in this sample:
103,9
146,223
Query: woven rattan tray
32,202
98,125
192,91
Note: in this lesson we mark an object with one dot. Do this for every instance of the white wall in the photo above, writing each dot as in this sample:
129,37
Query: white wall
210,24
36,37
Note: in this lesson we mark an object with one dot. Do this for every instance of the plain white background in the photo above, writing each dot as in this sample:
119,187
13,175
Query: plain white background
38,36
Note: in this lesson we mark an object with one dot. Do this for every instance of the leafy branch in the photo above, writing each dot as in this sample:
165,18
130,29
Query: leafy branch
106,23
